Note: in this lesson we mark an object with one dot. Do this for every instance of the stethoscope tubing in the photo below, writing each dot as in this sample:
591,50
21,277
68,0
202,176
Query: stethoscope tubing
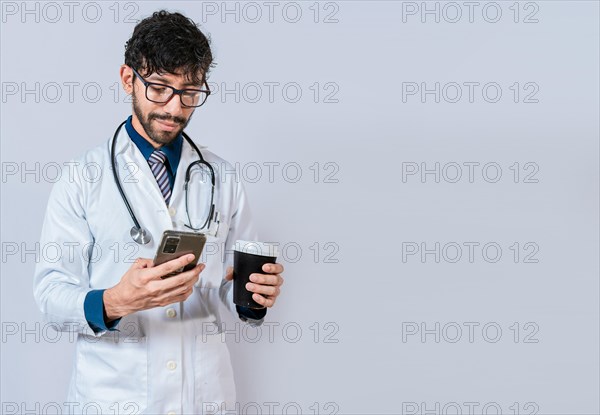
139,234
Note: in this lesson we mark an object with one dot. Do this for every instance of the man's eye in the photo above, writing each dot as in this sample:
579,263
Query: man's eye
158,88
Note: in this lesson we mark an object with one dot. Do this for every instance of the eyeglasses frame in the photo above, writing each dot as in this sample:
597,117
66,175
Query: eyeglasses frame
175,91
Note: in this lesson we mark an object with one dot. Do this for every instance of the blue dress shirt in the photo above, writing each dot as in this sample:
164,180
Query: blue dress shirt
171,150
93,305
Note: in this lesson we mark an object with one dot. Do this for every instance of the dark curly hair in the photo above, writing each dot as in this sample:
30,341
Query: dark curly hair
166,42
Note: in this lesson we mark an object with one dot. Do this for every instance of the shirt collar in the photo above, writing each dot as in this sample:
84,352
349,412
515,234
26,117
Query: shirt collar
171,150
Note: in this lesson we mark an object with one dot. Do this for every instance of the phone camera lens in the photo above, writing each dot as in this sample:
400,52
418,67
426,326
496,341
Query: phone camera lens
171,245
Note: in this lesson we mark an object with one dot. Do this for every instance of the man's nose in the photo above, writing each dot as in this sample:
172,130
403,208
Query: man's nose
174,106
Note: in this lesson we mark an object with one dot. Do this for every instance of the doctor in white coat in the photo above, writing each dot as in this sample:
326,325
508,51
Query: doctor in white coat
147,344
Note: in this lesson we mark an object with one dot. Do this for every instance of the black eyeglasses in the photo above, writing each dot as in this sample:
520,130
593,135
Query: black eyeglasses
160,93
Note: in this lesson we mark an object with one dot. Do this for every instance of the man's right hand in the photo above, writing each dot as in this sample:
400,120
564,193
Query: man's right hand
142,287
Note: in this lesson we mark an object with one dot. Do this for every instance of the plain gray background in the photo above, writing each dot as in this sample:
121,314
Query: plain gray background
347,329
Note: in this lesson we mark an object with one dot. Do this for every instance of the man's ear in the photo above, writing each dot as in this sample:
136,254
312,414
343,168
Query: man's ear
127,78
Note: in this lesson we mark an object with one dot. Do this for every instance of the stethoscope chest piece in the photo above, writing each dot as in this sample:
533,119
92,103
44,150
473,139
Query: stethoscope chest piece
140,235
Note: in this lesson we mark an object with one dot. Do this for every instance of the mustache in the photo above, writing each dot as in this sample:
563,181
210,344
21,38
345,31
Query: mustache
170,118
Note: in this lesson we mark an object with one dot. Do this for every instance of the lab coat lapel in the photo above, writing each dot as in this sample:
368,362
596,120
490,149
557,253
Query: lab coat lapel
135,175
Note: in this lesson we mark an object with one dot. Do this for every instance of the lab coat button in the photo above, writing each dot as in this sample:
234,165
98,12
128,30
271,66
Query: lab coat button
171,365
172,211
171,313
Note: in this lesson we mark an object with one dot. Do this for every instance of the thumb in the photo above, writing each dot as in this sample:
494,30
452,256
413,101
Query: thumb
229,274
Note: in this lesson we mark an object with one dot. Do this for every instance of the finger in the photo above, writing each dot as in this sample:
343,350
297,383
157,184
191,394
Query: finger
170,296
266,279
175,294
185,290
142,263
172,265
184,278
185,293
267,302
181,298
229,274
171,299
263,289
273,268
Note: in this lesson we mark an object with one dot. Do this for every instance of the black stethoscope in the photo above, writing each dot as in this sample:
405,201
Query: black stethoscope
141,235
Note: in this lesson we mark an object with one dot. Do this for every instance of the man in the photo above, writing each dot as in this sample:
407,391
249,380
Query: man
147,344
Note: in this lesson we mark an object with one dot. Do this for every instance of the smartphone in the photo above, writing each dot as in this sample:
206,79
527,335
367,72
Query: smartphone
178,243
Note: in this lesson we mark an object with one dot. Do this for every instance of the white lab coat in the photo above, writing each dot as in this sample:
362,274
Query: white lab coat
163,360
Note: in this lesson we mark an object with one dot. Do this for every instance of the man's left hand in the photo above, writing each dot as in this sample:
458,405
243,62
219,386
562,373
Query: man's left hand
264,286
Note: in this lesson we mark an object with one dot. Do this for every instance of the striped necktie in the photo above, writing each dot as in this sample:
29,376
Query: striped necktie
159,169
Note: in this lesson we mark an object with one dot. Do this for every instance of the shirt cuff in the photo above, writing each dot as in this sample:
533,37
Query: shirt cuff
95,314
251,313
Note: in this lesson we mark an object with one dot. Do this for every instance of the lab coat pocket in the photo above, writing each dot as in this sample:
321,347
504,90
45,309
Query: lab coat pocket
112,373
213,255
213,375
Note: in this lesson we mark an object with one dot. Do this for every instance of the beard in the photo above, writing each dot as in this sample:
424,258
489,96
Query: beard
159,136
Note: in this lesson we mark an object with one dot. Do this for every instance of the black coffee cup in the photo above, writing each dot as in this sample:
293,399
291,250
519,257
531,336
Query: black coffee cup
249,258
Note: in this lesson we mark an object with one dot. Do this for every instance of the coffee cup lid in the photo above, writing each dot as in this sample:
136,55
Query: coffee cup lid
256,248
